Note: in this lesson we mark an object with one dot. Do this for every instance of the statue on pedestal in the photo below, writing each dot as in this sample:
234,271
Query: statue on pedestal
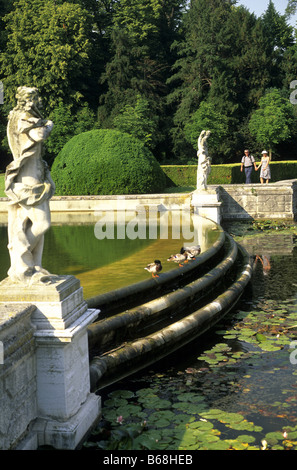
29,187
204,161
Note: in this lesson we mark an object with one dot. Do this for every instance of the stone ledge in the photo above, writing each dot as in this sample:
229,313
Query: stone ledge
56,291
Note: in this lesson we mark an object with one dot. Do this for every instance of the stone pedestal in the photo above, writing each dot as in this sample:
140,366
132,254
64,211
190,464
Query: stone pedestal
66,410
206,204
18,406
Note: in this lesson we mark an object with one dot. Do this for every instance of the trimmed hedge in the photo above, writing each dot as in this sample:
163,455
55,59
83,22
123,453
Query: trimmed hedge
106,162
186,175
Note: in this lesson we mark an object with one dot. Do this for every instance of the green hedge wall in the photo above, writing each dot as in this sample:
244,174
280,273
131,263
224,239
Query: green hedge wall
185,175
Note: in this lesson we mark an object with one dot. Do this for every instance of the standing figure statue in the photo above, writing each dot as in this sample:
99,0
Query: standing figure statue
204,161
29,187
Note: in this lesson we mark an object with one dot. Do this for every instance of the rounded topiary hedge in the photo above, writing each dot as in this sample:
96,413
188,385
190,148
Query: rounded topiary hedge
106,161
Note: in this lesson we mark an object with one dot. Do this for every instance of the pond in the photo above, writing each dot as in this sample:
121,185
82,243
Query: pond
106,254
233,388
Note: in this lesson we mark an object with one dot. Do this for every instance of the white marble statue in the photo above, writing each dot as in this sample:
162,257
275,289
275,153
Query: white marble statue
29,187
204,161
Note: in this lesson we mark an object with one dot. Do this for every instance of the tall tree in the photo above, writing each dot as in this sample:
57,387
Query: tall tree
141,37
222,59
274,121
279,39
291,8
139,122
48,46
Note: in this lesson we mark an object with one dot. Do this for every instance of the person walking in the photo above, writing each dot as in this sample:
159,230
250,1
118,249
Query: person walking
265,173
248,162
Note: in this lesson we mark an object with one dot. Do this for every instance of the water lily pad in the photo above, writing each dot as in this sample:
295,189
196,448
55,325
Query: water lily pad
115,402
181,419
189,408
260,337
190,397
292,435
146,392
274,437
270,347
160,419
214,413
246,438
219,445
154,402
237,445
201,425
121,394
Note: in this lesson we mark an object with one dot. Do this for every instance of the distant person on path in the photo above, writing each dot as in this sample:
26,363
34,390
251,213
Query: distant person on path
265,173
248,162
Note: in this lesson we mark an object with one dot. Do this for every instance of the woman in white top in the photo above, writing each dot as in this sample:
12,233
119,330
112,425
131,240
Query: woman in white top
265,173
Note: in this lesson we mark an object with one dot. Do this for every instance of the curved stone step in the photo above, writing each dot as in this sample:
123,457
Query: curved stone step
121,326
137,354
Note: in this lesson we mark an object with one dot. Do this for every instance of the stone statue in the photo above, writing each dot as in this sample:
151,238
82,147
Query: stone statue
204,161
29,187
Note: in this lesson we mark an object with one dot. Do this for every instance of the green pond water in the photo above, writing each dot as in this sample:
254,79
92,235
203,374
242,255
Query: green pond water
109,263
233,388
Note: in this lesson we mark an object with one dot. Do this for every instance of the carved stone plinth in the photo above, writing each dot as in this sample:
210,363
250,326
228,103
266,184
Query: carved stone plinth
206,204
66,410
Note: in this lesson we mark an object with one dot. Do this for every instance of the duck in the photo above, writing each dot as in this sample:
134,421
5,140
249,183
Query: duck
192,251
154,267
179,258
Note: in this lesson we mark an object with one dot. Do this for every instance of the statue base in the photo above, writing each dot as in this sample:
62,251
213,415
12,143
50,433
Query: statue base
206,204
65,408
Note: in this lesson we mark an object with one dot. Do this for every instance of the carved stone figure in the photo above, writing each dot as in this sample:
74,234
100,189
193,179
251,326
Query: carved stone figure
204,161
29,187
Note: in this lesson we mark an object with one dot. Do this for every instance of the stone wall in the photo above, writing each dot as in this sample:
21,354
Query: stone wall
238,201
259,201
18,402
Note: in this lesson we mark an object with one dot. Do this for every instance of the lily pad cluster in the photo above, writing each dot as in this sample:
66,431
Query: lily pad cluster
250,228
143,420
269,328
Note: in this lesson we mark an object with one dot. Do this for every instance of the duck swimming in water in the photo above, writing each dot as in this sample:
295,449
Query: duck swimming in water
154,268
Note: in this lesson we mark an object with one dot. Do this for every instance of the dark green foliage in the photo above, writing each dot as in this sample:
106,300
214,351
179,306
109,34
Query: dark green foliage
274,121
48,47
176,56
222,61
106,162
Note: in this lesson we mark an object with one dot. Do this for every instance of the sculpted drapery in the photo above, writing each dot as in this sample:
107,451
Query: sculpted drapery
29,187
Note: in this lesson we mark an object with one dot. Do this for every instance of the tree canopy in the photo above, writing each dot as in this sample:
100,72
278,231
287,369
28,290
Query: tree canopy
150,68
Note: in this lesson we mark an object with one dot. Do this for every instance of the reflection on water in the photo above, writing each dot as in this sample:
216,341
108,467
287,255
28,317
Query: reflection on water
105,254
